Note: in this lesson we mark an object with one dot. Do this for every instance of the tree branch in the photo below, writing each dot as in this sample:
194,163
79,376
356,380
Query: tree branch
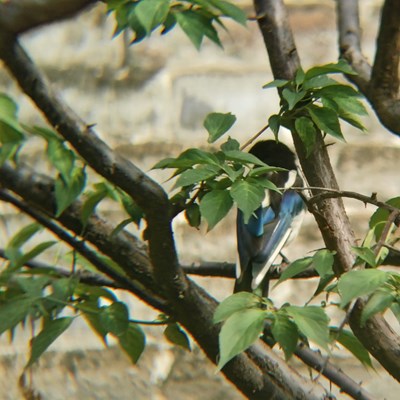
348,22
381,83
330,214
18,16
147,193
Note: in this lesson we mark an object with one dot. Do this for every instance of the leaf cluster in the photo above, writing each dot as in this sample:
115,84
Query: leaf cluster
196,18
313,102
211,182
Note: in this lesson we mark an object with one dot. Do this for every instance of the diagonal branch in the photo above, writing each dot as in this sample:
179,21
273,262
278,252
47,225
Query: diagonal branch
18,16
380,84
116,169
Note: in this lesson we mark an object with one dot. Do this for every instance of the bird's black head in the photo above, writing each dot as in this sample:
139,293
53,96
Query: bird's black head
274,153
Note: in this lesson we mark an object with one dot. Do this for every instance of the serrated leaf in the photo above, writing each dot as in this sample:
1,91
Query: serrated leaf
196,26
196,175
214,206
243,157
307,133
323,262
351,343
67,192
230,10
234,303
192,215
378,302
230,144
13,312
285,333
326,120
115,318
247,196
133,342
295,268
50,332
358,283
89,205
152,13
217,124
39,249
61,158
275,83
340,67
274,122
365,254
175,335
292,97
239,331
312,322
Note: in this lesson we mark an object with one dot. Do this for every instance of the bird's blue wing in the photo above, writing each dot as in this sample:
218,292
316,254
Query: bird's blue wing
263,237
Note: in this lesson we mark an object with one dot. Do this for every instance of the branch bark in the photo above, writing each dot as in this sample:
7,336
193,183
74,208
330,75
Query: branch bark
18,16
380,83
330,214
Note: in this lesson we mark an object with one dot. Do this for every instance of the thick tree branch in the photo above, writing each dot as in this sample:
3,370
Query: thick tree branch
329,213
196,308
116,169
381,83
350,42
18,16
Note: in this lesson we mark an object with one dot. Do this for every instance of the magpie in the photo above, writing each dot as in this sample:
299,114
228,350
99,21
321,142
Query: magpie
274,224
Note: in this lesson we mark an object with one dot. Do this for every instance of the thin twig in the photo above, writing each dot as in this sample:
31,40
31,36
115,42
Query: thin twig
253,138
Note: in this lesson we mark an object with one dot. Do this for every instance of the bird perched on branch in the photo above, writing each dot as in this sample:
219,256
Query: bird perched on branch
274,224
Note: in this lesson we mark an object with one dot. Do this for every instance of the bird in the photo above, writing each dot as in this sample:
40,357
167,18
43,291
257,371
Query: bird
274,224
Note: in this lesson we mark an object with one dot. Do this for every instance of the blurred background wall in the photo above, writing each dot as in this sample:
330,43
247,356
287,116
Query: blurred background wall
148,101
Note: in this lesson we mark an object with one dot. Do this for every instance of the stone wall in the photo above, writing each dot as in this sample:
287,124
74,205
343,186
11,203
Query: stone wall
148,102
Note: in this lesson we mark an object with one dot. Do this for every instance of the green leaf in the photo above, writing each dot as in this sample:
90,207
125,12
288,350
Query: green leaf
50,332
196,175
61,158
67,192
133,342
152,13
326,120
318,82
339,91
358,283
395,309
307,133
352,120
239,331
378,302
230,144
39,249
312,322
115,318
275,83
340,67
175,335
323,262
94,320
214,206
243,157
126,15
230,10
217,124
247,196
192,215
260,171
13,312
293,98
295,268
274,122
365,254
300,76
351,343
8,107
380,217
234,303
188,159
23,235
91,202
285,333
196,26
